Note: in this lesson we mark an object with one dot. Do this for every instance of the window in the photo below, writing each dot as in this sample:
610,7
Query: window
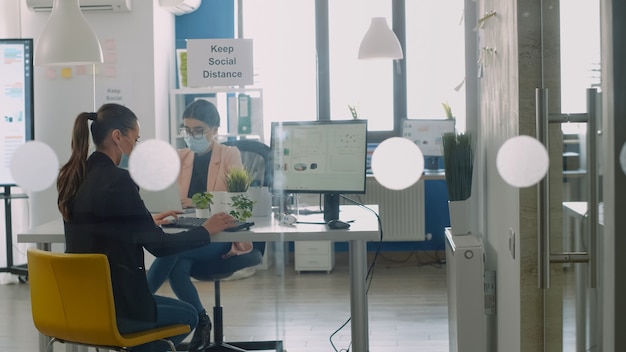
365,84
283,34
286,64
435,59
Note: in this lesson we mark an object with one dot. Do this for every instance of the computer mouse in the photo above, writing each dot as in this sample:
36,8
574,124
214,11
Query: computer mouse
337,225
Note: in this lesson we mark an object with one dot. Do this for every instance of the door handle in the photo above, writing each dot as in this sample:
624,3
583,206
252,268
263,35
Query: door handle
543,119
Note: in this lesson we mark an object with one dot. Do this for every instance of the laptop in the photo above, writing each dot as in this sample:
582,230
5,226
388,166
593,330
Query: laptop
164,200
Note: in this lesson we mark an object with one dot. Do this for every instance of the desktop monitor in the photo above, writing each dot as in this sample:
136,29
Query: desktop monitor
326,157
16,100
427,135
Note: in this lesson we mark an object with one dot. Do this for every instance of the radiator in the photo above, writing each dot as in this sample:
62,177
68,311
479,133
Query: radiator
466,299
401,212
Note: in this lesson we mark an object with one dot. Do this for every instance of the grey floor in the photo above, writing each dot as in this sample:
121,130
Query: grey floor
407,307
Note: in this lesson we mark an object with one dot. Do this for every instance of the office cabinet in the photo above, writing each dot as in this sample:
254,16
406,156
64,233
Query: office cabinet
314,256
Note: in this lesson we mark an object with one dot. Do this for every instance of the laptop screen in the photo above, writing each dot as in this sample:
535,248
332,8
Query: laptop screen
164,200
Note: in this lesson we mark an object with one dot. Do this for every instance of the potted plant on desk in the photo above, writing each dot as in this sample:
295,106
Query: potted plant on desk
458,160
202,201
237,182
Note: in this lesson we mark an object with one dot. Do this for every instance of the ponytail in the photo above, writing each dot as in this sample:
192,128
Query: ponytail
108,118
73,172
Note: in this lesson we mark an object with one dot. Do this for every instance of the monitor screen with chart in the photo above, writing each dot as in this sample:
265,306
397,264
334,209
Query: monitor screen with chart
427,135
327,157
16,100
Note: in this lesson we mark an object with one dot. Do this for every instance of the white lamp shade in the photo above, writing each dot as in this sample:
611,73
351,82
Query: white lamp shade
67,38
380,42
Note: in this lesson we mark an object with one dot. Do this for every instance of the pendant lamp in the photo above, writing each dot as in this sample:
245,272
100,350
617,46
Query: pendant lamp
380,42
67,38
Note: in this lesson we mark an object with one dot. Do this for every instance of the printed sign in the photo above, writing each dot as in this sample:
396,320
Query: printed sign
219,62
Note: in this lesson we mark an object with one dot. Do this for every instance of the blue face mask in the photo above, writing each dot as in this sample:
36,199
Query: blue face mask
197,146
124,161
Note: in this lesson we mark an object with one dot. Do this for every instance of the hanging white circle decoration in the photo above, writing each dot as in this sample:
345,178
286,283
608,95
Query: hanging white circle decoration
397,163
154,164
522,161
622,158
34,166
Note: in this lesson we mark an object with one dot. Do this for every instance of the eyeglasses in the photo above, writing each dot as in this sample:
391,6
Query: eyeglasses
197,133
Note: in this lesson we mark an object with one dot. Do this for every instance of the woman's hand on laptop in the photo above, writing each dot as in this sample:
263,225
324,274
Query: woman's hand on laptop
165,217
219,222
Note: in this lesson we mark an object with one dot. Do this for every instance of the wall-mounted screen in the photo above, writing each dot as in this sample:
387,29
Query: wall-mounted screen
327,157
16,100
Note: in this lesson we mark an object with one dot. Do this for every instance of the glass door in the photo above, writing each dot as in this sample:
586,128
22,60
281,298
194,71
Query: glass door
574,255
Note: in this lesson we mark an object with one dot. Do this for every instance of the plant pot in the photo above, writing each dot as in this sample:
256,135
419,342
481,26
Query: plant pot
203,213
262,199
220,200
460,216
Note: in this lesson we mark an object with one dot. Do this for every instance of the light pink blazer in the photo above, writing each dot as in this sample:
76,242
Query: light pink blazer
222,159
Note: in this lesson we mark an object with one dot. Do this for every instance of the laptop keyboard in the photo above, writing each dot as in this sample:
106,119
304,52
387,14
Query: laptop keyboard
186,222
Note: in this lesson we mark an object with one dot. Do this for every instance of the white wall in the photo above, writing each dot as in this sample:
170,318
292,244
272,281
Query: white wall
139,61
10,23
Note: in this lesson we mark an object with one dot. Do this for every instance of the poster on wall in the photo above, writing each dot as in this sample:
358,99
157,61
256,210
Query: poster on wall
219,62
16,101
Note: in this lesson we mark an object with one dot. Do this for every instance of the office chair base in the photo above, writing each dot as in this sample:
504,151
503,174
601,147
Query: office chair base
247,346
239,346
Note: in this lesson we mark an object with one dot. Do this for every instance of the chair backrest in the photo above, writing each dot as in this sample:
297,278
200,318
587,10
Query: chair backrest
255,157
72,297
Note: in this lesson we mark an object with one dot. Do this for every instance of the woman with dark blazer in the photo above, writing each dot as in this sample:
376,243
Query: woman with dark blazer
103,213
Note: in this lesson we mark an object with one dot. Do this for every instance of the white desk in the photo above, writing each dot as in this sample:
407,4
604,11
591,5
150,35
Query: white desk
363,229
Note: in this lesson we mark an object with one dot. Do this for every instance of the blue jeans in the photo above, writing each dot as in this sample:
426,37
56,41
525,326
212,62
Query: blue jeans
177,268
169,311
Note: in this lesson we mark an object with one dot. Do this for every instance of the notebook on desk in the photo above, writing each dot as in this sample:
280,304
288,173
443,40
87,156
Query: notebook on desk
164,200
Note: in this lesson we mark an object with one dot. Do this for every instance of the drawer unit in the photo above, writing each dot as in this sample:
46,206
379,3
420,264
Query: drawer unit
314,256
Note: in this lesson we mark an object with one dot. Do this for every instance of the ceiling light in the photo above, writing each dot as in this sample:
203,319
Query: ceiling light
380,42
67,38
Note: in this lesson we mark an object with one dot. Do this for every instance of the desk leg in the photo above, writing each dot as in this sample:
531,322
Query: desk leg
358,296
44,246
43,339
43,342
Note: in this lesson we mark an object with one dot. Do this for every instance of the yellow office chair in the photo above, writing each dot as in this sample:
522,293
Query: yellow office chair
72,301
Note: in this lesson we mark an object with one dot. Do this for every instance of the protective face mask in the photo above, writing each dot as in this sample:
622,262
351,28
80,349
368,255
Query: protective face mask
197,145
124,159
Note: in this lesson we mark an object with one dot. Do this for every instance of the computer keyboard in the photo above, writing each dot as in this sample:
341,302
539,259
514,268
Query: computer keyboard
186,222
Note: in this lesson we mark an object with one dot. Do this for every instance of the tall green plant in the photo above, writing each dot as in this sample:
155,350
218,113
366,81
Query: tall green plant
237,180
458,163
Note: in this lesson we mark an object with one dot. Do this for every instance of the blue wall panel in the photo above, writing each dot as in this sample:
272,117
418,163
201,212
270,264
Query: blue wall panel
213,19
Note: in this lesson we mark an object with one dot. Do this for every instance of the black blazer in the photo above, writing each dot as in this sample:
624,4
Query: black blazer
108,216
